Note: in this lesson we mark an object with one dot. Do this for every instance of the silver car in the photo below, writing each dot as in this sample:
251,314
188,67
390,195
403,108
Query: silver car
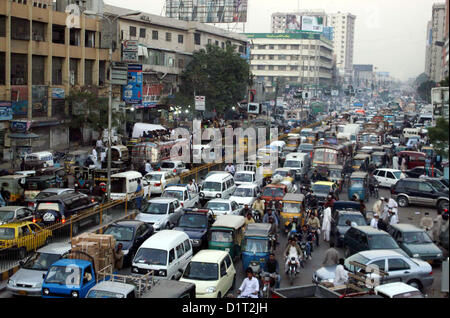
412,271
27,281
161,213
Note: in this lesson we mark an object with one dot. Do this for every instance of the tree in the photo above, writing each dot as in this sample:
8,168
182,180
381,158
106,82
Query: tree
439,136
424,90
221,75
444,82
90,110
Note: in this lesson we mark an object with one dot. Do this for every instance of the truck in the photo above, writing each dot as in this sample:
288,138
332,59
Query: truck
349,132
77,271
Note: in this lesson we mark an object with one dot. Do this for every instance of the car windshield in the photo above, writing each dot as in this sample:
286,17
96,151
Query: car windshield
218,206
201,271
282,173
306,147
173,194
273,192
243,192
243,177
377,159
221,237
167,165
64,275
356,183
326,156
416,238
103,294
292,164
381,242
291,207
41,261
6,233
358,162
212,186
6,215
335,174
255,245
397,174
321,188
120,233
43,195
151,256
437,185
355,258
153,177
154,208
193,221
358,219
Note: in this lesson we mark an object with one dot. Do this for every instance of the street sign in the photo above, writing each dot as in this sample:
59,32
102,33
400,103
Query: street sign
130,45
128,56
130,51
334,92
272,103
200,103
119,75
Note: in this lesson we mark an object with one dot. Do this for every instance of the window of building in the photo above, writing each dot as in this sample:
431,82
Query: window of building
295,47
223,45
2,26
132,31
294,68
101,73
57,70
75,37
58,34
2,68
142,33
168,36
73,71
271,47
180,63
241,49
282,47
281,57
197,39
154,35
271,57
294,57
271,68
216,43
89,38
261,67
39,30
88,70
19,69
20,29
282,68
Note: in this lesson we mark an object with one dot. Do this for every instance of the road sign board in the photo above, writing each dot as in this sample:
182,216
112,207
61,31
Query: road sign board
130,45
119,75
200,103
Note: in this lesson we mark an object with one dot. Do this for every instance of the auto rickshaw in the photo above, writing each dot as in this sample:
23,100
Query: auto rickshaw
293,141
359,186
335,175
14,185
75,159
84,179
361,160
293,206
379,159
226,234
255,247
429,151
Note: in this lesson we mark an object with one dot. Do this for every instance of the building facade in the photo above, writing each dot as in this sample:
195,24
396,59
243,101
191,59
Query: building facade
445,49
41,58
436,42
296,58
363,75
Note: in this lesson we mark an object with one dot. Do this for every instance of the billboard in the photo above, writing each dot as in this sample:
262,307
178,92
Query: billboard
208,11
6,112
312,24
293,23
132,92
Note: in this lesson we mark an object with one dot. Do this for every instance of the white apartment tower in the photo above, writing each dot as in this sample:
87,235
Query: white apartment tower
435,43
344,31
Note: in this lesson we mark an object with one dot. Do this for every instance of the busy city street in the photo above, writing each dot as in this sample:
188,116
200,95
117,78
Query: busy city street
248,149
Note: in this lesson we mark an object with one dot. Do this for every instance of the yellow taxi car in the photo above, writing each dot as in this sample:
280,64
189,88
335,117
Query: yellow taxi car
322,189
23,237
212,272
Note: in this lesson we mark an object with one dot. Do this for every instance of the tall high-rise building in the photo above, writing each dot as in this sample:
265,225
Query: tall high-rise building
445,49
344,30
428,48
436,41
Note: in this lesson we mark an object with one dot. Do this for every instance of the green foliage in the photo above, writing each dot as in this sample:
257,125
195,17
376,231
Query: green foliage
424,90
220,75
90,110
422,78
444,82
439,136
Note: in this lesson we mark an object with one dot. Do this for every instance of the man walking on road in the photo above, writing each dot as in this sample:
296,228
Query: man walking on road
437,226
331,256
426,223
326,225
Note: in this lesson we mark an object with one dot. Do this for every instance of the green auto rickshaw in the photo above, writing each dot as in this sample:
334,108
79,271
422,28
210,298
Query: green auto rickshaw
226,234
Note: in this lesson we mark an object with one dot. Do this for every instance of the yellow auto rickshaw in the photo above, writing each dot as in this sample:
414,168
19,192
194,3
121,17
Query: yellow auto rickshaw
14,185
74,159
293,206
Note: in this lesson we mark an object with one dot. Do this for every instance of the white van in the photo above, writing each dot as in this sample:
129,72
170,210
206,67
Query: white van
280,144
411,132
166,253
299,161
45,156
125,183
218,185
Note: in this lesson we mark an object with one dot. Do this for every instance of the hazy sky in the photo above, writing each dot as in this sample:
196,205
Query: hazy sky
390,34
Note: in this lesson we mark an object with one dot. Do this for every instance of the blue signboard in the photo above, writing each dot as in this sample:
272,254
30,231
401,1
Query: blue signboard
132,92
58,93
20,125
358,104
6,112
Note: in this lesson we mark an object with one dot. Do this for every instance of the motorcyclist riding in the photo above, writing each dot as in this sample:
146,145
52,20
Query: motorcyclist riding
373,182
307,236
292,250
246,210
259,206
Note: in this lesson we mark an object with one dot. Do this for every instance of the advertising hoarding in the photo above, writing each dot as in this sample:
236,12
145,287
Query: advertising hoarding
200,102
6,112
208,11
132,92
312,24
293,23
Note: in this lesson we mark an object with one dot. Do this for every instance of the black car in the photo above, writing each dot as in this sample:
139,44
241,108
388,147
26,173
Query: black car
131,234
421,192
362,238
339,226
418,171
60,208
196,223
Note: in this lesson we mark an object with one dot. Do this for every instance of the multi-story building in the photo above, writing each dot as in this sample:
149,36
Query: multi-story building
445,51
41,58
296,58
363,75
166,46
428,49
436,41
343,44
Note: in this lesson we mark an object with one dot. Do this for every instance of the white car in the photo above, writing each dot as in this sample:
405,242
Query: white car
158,180
245,194
388,177
187,199
398,290
224,207
177,167
161,213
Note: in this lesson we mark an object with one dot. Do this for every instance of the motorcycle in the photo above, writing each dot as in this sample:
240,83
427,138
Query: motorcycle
268,282
272,243
256,216
292,269
303,248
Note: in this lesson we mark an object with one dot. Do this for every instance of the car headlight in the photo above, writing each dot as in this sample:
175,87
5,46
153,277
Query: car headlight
74,294
125,252
135,270
210,289
46,291
162,273
196,241
415,255
439,255
11,282
218,195
202,194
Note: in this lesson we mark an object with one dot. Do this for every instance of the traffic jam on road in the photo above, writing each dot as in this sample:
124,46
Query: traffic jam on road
352,205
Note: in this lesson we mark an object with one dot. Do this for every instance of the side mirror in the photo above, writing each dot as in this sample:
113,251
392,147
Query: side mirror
44,276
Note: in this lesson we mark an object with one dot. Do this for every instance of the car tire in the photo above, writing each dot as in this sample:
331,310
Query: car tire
22,252
415,283
402,201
